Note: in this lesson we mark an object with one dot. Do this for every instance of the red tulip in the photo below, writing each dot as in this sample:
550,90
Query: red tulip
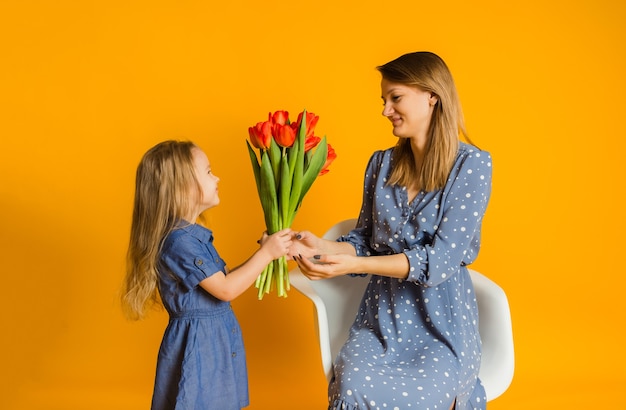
280,117
310,143
261,135
284,135
329,159
311,122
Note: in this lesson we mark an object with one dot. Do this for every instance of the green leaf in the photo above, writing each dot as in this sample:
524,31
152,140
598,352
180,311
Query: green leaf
315,166
296,165
256,168
269,201
275,156
296,189
298,144
285,190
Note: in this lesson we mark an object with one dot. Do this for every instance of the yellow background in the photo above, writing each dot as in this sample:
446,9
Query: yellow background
86,87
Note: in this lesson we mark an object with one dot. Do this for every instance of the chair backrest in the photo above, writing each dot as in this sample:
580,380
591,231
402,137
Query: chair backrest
337,300
496,333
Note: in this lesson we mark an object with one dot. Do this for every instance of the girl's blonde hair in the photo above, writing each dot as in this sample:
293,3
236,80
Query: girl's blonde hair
429,73
164,188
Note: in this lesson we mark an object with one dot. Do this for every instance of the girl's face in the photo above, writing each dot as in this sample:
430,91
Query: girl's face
408,108
206,179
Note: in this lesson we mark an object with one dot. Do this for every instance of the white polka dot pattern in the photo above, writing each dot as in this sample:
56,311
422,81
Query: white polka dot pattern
415,342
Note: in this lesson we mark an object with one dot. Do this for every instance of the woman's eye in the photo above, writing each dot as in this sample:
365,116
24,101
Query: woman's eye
395,98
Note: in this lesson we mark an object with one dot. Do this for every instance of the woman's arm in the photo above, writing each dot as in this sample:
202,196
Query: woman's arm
457,238
332,258
328,266
306,245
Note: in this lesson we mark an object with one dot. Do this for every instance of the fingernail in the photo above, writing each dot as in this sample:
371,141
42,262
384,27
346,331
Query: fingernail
317,256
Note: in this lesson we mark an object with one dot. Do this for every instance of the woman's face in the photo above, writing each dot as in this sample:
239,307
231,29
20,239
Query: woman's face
206,179
408,108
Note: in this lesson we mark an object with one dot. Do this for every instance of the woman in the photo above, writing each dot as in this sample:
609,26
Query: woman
415,341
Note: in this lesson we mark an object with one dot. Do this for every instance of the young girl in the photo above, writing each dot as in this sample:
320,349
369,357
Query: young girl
201,362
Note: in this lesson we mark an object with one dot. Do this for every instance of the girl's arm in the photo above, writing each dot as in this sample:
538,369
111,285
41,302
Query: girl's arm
228,287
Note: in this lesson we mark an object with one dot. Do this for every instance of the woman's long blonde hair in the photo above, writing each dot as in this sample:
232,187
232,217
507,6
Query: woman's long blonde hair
164,186
429,73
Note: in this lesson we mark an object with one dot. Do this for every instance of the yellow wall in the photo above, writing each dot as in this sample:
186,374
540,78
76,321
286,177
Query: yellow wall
88,86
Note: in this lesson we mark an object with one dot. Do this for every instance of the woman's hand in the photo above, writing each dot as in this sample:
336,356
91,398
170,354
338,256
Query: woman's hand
305,244
327,266
331,265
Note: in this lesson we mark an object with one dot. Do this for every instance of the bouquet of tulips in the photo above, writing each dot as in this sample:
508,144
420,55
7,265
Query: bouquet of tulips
289,160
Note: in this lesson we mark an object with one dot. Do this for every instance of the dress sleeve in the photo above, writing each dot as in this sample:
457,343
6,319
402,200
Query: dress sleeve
360,236
457,238
189,261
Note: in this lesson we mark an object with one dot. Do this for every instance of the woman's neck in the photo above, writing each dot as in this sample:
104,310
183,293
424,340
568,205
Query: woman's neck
418,147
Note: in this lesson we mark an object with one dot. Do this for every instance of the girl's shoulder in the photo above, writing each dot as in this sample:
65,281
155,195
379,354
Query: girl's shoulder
184,235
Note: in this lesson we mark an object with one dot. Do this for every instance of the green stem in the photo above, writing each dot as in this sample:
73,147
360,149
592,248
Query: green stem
270,276
280,286
260,282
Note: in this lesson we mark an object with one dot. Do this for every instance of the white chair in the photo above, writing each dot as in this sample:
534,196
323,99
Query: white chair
337,300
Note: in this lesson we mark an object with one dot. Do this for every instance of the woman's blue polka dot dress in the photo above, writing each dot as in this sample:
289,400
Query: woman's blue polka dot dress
415,342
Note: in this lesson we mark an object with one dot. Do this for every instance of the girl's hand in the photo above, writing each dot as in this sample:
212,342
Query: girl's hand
327,266
277,244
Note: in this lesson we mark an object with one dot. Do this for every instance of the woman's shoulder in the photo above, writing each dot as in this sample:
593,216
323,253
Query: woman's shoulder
378,163
473,160
468,152
381,156
471,150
